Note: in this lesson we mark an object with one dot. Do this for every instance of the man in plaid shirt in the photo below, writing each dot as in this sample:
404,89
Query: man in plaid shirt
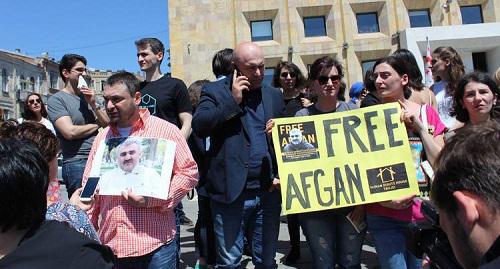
140,230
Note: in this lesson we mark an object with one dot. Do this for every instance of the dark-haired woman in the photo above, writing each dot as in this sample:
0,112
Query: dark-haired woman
289,79
330,236
475,100
34,110
388,221
419,93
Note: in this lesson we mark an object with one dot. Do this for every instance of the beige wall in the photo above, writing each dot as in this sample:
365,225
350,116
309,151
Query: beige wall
198,29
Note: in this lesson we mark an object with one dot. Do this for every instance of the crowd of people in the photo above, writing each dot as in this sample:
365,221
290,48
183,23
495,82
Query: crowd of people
224,149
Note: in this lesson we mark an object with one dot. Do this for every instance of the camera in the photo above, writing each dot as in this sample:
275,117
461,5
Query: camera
428,238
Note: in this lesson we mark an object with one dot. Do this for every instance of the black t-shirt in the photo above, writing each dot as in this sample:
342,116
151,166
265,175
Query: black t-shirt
293,105
371,99
56,245
165,98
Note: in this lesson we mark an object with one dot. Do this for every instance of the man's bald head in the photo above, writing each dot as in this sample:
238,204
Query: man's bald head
249,60
246,50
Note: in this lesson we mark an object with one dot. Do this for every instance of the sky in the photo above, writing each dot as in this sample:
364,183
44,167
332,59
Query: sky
102,31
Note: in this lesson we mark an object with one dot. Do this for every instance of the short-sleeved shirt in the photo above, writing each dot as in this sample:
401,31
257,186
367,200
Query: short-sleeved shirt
64,104
312,110
166,98
293,105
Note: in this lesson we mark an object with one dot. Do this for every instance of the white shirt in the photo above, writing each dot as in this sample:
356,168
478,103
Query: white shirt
142,180
444,103
45,122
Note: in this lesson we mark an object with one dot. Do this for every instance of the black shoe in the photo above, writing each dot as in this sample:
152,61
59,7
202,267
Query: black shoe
246,250
186,221
292,257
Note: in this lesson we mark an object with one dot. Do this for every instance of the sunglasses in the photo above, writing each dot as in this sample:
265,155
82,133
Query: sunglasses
324,79
32,101
285,75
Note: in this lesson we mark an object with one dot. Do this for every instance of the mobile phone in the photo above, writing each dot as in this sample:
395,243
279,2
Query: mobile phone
238,72
89,189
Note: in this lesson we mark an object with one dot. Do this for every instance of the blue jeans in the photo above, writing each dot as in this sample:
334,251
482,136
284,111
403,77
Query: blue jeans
254,214
389,236
162,257
72,173
332,239
204,238
178,233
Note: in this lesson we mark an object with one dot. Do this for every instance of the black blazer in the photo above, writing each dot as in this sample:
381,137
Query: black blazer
219,117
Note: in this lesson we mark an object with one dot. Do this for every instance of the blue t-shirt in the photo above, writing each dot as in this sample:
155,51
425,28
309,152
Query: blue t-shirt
254,118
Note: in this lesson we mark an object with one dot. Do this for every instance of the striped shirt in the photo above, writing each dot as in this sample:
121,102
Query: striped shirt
131,231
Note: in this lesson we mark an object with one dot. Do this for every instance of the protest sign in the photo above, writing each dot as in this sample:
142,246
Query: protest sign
143,165
342,159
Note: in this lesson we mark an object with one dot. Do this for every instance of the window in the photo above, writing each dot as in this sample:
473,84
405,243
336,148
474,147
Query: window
419,18
367,23
367,66
3,82
4,114
32,84
53,80
479,61
262,30
471,14
268,75
314,26
22,82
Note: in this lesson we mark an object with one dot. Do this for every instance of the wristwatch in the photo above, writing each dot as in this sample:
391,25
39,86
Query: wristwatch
97,107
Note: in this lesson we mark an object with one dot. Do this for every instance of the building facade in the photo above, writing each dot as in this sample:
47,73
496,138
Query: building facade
356,32
20,75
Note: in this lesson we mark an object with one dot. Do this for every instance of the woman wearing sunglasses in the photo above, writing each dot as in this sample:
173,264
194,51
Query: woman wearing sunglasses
34,110
330,236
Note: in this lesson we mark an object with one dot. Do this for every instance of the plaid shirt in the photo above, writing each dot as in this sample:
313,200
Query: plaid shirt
132,231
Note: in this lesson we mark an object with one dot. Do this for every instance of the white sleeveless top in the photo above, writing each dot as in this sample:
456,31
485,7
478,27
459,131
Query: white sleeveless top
444,103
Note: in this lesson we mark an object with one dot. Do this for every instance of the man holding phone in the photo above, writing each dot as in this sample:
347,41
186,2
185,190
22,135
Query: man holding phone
242,171
140,230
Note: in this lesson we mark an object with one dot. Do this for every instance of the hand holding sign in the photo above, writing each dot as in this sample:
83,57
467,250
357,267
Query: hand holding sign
134,199
269,126
275,185
240,84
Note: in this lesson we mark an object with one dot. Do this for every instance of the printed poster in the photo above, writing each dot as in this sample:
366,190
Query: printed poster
343,159
142,165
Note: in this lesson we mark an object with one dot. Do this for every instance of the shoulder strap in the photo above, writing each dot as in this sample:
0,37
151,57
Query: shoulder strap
423,115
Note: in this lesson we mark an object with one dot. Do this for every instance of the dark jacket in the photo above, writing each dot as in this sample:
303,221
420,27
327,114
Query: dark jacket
219,116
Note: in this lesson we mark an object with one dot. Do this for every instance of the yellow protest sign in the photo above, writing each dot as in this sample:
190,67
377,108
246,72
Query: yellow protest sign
343,159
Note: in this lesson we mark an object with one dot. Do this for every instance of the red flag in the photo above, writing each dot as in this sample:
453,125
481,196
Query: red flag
428,64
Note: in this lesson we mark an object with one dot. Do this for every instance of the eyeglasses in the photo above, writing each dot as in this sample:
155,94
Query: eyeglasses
32,101
80,69
285,75
324,79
